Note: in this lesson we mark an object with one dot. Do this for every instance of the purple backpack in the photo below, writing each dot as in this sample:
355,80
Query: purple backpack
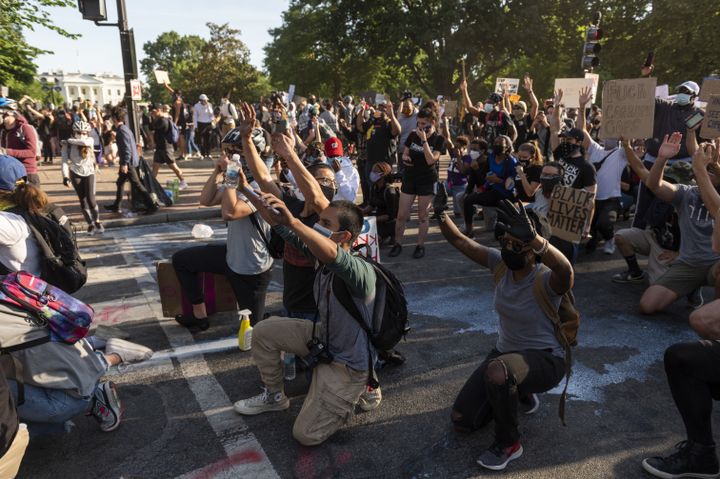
68,318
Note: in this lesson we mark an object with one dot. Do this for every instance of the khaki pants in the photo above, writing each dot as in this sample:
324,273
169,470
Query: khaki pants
10,462
644,243
334,390
225,127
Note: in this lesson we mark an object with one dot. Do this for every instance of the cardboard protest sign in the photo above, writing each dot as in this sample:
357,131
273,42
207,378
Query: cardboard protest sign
451,108
369,236
510,85
628,108
662,91
571,90
596,82
569,212
161,77
710,86
711,124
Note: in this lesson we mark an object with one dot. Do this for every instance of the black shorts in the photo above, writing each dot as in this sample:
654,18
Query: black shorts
418,186
163,157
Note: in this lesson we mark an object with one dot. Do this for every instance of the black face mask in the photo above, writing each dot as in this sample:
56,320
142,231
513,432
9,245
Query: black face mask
328,192
568,150
548,183
514,261
498,149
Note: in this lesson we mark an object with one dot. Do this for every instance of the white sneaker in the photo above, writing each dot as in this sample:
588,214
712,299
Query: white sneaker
183,185
91,230
370,399
529,404
128,352
609,247
99,228
265,402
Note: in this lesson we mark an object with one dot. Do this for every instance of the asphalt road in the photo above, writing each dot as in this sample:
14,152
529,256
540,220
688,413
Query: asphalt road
178,406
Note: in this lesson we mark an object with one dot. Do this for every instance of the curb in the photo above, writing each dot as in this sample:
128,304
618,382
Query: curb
160,217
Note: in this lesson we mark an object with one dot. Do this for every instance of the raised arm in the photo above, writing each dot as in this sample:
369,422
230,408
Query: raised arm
554,121
473,250
309,187
691,141
466,98
395,128
528,85
662,189
257,167
585,97
210,194
704,156
635,163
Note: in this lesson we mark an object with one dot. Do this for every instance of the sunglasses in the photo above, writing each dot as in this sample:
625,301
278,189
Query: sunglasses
329,182
513,246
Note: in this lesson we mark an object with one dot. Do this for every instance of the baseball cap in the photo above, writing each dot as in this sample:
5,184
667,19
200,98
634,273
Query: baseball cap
573,133
520,104
203,96
11,170
690,85
333,147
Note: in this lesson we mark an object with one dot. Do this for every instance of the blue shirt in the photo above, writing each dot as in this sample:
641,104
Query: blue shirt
504,170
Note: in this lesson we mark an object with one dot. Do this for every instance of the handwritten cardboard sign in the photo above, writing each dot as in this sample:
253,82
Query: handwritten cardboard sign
571,90
711,124
450,108
369,236
510,85
628,108
710,86
161,77
569,212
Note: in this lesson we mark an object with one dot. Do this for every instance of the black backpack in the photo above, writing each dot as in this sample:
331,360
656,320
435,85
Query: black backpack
60,263
390,317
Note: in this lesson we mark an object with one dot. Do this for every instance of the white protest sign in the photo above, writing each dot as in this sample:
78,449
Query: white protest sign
290,94
711,123
379,99
510,85
369,236
571,90
596,82
710,86
662,92
135,90
628,108
161,77
569,212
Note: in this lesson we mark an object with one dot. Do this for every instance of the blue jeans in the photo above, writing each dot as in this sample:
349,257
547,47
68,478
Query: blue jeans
190,141
453,193
46,410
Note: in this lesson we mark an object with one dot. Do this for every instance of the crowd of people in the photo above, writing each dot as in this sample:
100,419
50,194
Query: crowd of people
294,182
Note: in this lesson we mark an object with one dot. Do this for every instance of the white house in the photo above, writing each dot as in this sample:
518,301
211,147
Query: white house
102,88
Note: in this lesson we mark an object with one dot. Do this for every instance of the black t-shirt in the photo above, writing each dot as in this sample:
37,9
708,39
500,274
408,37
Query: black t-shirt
523,130
579,173
420,169
160,127
380,141
532,173
298,269
385,200
494,123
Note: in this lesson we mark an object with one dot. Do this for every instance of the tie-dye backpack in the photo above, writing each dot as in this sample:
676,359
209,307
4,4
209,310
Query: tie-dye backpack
67,318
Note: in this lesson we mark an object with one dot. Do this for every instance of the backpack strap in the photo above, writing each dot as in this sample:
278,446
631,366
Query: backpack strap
342,293
543,300
257,226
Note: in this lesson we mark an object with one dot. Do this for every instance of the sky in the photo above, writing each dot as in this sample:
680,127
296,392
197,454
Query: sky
98,50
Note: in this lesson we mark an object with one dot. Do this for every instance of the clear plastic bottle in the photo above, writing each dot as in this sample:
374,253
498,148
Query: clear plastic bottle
289,372
233,171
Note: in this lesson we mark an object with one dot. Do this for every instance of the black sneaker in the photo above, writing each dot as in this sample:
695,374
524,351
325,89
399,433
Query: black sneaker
691,460
496,458
151,210
629,277
113,208
419,252
396,250
192,323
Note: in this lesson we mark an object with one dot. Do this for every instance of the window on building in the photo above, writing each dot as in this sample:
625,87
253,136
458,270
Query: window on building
95,91
84,91
72,91
109,92
118,92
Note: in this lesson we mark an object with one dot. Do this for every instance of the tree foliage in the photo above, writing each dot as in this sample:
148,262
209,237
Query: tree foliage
16,55
216,67
347,45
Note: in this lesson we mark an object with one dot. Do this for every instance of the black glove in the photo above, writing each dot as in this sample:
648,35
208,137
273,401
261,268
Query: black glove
440,202
66,181
515,221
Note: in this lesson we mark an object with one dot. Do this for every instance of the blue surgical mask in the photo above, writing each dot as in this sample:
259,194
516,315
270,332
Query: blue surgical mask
322,230
474,155
375,176
682,99
489,107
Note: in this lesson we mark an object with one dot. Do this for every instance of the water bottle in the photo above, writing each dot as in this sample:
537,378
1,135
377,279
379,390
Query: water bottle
289,366
233,171
175,189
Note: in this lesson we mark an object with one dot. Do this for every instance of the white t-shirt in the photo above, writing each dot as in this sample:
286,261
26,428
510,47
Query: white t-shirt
608,178
18,248
247,252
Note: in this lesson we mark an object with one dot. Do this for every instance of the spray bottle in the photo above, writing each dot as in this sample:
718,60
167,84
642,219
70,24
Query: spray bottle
245,331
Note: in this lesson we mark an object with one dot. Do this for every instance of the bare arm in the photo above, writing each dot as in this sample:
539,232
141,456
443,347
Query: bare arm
395,128
528,85
234,208
635,164
554,121
257,167
309,187
562,276
210,196
585,97
704,156
473,250
466,98
691,142
662,189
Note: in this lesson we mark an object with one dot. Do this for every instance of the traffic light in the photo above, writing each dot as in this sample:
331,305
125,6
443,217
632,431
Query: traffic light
94,10
592,47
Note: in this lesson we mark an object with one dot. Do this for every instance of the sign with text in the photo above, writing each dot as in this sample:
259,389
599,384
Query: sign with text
569,212
450,108
161,77
510,85
711,124
135,90
710,86
290,94
628,108
369,236
571,90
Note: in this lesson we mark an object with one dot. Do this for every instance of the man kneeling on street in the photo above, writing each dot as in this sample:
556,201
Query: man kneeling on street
334,344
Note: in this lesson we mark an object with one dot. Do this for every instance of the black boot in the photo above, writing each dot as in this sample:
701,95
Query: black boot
691,458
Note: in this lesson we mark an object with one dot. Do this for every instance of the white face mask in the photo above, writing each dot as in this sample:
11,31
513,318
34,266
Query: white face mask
488,107
474,155
682,99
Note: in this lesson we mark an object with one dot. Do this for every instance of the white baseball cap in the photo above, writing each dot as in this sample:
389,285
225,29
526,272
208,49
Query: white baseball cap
203,96
690,85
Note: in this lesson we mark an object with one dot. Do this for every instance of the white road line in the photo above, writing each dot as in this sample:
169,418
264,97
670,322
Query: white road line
215,404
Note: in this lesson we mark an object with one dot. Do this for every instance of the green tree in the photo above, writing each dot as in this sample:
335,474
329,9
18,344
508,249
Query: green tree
179,55
16,55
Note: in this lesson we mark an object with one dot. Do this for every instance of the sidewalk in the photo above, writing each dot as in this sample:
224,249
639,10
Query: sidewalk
187,208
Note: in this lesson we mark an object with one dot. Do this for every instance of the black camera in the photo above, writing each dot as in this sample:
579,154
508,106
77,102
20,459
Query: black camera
318,354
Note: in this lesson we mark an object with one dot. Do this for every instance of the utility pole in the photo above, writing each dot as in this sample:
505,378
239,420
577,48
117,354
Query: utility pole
96,11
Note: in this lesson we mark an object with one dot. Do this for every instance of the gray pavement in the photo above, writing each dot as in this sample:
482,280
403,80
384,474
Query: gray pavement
178,418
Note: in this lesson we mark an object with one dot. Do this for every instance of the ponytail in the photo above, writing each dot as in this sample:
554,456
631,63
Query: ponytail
30,198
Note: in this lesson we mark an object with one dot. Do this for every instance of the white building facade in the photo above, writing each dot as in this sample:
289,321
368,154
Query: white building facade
102,88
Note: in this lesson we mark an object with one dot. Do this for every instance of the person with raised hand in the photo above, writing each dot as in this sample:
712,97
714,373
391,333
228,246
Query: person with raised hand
529,355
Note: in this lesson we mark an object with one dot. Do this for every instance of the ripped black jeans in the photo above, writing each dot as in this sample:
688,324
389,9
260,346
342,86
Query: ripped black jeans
480,399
